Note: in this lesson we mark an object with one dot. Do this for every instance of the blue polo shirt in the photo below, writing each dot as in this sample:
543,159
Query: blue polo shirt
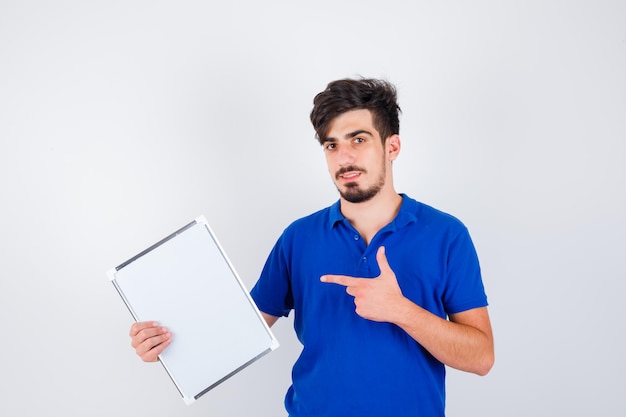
351,366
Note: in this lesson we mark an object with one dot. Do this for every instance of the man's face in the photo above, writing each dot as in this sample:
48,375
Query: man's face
355,156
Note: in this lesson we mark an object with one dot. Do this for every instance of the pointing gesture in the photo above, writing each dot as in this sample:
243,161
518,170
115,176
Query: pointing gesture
376,299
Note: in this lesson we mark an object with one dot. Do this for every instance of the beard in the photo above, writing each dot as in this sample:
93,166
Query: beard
353,193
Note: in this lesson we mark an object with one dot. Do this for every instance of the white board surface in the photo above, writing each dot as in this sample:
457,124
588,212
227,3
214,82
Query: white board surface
186,283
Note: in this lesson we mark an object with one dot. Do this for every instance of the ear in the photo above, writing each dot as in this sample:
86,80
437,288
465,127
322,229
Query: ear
392,147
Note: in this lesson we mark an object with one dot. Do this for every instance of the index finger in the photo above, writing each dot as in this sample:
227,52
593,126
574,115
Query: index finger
141,325
344,280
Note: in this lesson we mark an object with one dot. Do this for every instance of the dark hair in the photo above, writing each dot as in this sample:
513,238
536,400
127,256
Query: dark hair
377,96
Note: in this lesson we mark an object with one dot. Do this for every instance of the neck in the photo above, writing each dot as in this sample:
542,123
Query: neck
370,216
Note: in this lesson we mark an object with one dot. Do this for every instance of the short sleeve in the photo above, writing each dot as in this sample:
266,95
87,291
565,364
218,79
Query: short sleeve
464,288
272,292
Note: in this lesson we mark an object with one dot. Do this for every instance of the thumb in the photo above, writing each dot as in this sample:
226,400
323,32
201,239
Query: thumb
383,264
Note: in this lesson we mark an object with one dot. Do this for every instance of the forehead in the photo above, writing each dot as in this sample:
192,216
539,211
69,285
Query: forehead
351,121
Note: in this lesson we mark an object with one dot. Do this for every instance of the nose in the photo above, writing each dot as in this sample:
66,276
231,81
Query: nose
345,156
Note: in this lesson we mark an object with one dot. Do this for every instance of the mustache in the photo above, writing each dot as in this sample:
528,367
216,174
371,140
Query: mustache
350,168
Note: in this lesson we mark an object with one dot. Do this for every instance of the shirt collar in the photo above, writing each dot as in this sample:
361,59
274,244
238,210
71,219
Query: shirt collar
407,214
335,215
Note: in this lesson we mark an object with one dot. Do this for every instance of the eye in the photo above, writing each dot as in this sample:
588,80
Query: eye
329,146
359,139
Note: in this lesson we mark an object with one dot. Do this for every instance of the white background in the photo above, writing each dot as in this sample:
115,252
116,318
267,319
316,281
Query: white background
121,121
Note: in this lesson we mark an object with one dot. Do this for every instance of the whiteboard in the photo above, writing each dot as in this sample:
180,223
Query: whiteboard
187,283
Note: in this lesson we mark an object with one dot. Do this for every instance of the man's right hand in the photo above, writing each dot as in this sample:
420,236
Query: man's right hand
149,340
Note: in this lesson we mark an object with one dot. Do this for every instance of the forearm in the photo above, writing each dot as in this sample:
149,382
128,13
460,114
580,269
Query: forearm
465,342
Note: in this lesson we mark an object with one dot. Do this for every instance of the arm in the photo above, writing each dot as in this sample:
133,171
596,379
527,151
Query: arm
269,319
464,342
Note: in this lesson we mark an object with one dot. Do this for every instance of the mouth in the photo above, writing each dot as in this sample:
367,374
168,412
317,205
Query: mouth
349,174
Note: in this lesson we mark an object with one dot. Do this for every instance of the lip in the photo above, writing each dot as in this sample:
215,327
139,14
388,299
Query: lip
350,176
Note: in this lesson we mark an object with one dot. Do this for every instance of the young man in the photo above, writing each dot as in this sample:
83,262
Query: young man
386,291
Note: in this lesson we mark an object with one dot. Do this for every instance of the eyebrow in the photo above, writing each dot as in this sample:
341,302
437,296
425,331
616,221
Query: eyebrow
349,135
